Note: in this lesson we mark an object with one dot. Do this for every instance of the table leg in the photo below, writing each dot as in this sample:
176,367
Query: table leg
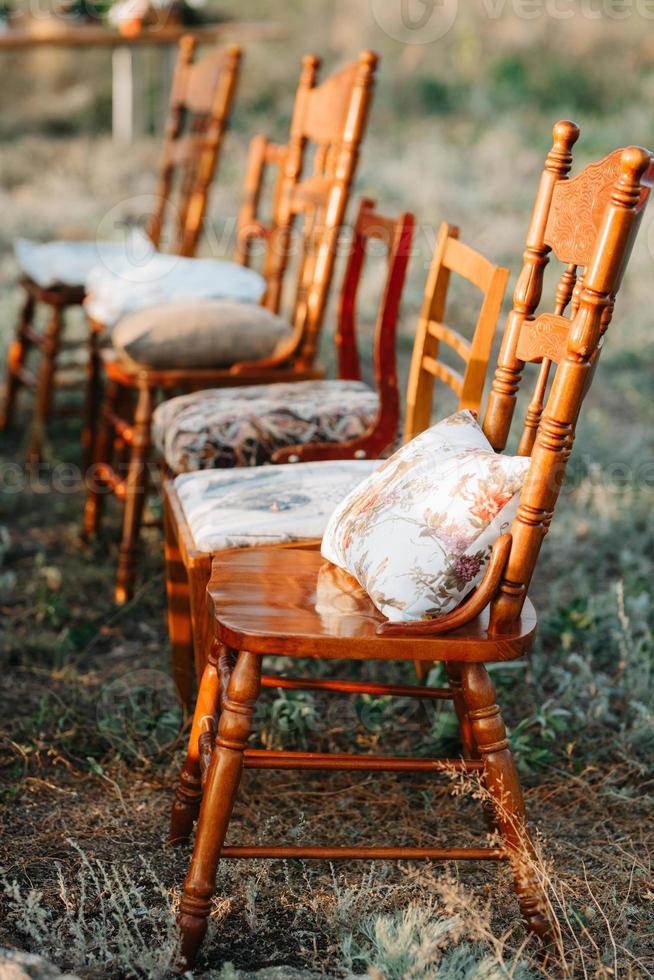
128,109
167,62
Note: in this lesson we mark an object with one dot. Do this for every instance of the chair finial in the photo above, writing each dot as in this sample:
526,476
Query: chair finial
559,159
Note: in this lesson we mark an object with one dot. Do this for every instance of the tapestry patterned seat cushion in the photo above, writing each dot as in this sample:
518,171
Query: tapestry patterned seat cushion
225,427
265,504
418,532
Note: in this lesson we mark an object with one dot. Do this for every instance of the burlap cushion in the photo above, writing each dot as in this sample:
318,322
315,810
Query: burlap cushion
204,334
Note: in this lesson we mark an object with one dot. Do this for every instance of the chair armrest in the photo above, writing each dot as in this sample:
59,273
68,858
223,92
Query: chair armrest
469,609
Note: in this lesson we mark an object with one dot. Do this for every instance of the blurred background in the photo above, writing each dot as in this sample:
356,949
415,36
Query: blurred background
460,125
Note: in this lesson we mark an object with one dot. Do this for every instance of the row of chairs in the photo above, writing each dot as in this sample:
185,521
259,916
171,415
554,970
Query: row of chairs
261,580
311,177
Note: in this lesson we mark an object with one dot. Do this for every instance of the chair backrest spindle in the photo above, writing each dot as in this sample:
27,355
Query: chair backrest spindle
452,257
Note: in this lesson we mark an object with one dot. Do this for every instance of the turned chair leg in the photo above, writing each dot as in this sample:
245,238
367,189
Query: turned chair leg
468,744
16,357
92,400
215,680
467,739
500,776
136,488
96,486
180,627
45,384
218,801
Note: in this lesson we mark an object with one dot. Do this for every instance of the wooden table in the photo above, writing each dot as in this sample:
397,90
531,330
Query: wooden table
128,102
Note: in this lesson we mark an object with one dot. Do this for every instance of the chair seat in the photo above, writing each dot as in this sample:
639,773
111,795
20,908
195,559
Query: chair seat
69,263
265,504
222,427
291,602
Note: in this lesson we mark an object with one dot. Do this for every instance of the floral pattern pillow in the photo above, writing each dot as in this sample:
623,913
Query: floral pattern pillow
418,532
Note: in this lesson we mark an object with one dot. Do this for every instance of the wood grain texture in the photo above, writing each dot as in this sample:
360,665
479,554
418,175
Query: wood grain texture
292,602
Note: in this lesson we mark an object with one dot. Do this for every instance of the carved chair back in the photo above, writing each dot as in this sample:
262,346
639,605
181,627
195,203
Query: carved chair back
589,223
200,103
328,121
452,257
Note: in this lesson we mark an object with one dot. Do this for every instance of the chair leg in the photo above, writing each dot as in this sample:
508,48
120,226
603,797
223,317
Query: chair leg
180,628
45,384
468,744
136,488
186,807
92,400
201,619
501,778
16,357
219,795
96,488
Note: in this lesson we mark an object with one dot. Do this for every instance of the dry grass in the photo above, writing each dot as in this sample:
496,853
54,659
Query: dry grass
89,739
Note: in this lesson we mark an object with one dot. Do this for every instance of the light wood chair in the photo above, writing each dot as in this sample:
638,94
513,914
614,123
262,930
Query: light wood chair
201,100
264,601
329,119
188,568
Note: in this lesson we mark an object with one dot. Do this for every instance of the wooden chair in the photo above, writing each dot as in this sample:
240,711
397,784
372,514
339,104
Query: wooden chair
188,568
450,256
265,600
330,118
200,104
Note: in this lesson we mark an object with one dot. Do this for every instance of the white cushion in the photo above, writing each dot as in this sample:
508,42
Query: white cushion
69,263
265,504
114,292
417,534
207,334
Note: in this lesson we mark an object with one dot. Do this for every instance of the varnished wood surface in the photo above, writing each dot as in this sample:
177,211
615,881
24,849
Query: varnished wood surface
292,602
129,374
452,258
367,853
590,223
